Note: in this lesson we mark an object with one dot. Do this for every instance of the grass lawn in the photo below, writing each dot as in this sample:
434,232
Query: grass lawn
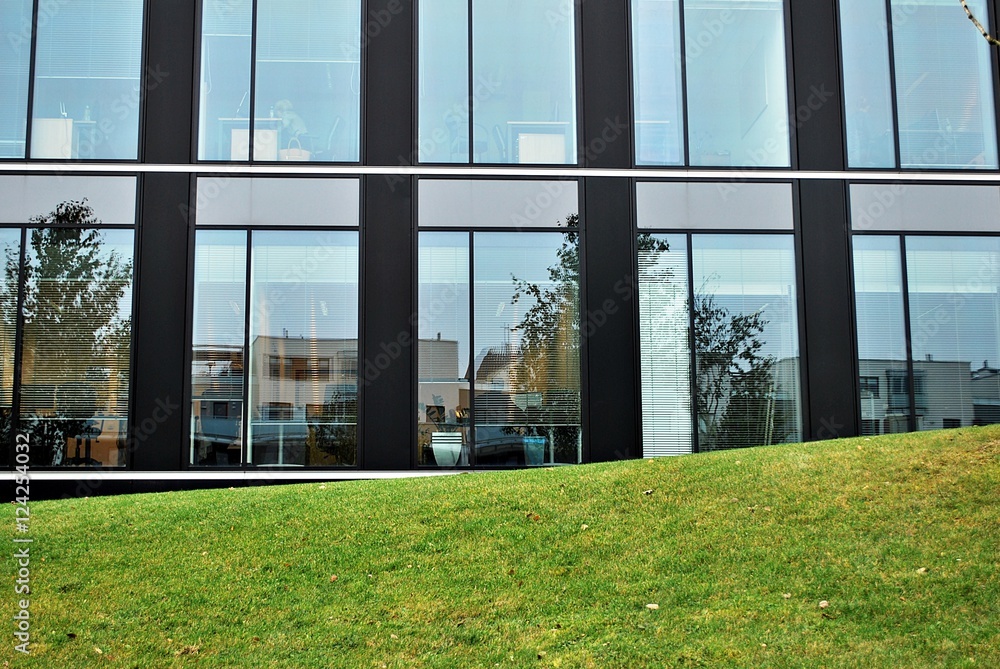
899,535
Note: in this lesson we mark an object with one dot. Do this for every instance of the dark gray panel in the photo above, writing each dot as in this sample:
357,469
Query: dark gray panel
386,365
828,344
387,45
607,114
611,402
169,82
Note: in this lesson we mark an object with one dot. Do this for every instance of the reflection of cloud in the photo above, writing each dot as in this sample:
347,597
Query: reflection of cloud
500,308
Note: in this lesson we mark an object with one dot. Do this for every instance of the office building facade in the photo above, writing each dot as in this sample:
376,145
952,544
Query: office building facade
250,240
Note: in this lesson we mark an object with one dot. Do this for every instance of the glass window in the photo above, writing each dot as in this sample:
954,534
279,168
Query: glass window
526,333
867,84
443,346
304,325
664,345
954,294
217,344
443,61
303,86
112,199
944,91
878,291
514,339
522,104
15,61
88,66
657,82
296,405
75,355
746,340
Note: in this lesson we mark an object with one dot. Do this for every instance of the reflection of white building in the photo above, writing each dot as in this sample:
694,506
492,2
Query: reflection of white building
946,395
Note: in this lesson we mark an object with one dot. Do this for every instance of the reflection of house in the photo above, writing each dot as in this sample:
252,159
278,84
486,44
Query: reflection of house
946,394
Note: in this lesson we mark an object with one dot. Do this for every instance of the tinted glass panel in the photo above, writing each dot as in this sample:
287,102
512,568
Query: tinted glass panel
746,340
217,347
443,59
501,204
664,345
308,79
954,293
15,56
224,111
737,85
87,81
944,91
878,290
304,348
443,350
656,73
77,340
526,334
714,206
867,84
265,201
112,199
525,97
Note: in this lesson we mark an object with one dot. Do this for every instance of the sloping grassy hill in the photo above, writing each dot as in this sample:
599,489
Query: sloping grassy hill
547,568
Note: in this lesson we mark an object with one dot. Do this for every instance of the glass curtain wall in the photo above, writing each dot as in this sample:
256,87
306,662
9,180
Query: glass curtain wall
941,82
10,242
291,82
520,355
15,63
734,65
948,312
517,105
88,79
296,404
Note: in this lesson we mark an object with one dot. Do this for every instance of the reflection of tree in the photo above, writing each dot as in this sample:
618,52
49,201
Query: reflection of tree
547,362
333,436
75,341
735,390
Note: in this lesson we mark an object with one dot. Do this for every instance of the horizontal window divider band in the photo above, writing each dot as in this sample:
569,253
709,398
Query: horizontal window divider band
736,176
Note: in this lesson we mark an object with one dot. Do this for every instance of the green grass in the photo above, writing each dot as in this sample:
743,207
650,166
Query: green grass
546,568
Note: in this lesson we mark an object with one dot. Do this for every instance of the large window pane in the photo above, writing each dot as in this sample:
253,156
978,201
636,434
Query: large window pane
10,243
656,75
307,87
87,81
308,78
77,340
954,293
527,341
217,343
525,97
443,59
664,345
737,88
944,91
15,57
224,111
746,340
867,84
443,350
304,348
884,376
